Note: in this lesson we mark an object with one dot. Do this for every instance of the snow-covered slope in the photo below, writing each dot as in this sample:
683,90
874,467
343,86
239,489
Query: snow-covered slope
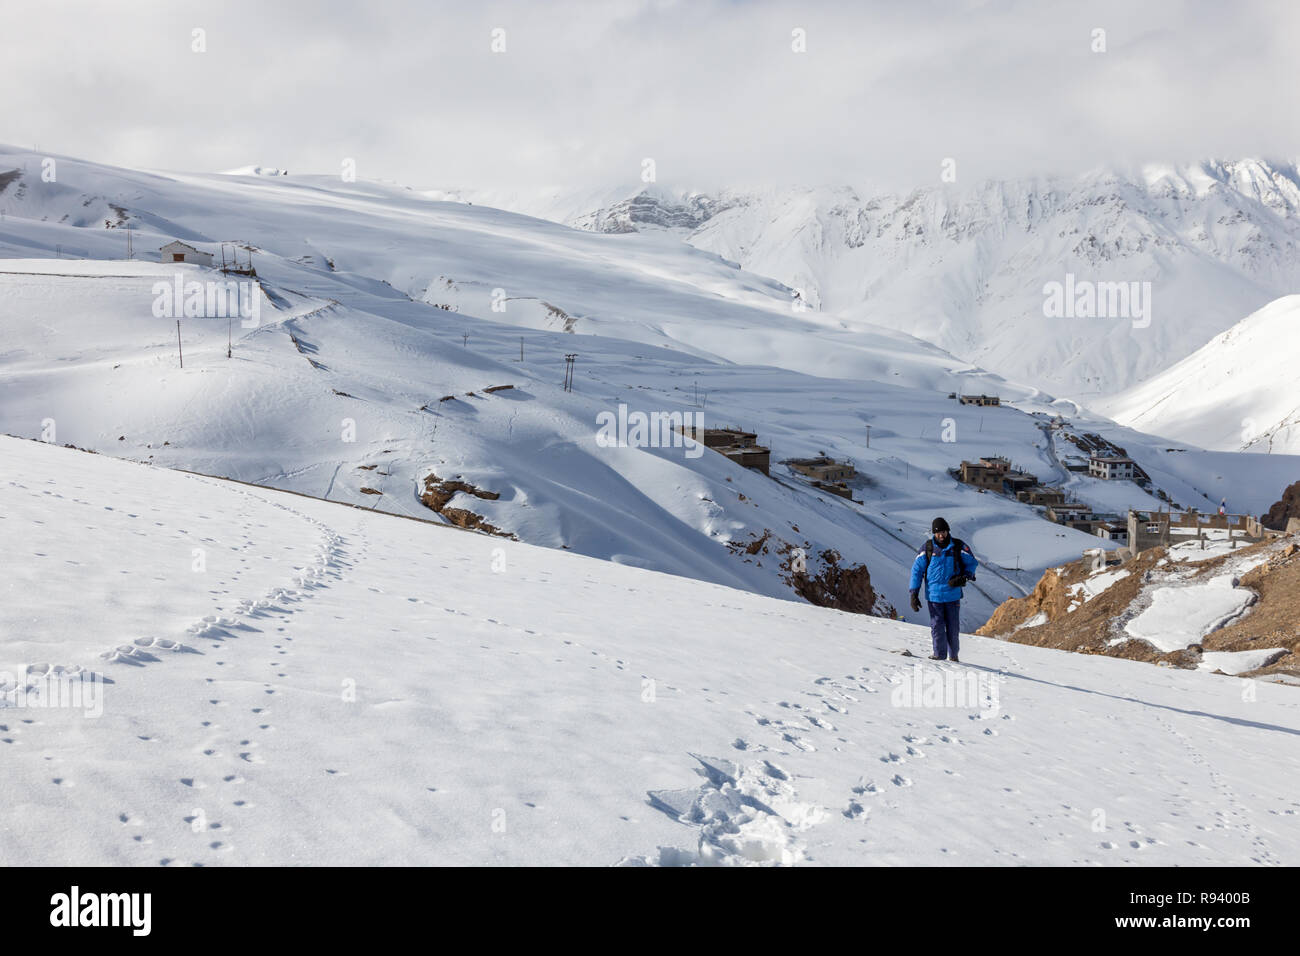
964,265
1238,392
315,684
376,303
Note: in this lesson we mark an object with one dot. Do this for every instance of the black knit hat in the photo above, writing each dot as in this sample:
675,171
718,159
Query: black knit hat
938,525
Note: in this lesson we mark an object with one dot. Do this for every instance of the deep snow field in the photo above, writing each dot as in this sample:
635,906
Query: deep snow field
293,681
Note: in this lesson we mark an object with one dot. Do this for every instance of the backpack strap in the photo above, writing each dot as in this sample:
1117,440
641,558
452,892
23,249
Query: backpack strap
958,545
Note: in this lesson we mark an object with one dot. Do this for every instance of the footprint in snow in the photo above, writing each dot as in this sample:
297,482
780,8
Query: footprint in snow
772,770
891,758
799,742
900,781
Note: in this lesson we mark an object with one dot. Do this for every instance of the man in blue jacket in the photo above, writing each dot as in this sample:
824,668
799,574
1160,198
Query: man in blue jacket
944,565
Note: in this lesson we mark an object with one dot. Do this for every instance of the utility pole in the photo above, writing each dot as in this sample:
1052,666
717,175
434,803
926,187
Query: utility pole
178,343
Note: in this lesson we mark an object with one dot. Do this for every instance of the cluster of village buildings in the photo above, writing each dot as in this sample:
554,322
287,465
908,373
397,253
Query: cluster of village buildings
996,474
1136,531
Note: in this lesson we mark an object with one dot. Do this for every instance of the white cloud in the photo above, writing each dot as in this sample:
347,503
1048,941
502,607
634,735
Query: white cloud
711,90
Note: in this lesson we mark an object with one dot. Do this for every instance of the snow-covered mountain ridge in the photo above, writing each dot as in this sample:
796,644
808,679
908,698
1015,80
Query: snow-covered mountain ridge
964,265
1238,392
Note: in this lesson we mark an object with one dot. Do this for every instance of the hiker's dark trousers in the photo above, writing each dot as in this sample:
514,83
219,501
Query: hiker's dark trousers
944,625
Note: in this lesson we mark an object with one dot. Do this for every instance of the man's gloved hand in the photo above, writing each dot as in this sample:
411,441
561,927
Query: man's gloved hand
957,581
916,601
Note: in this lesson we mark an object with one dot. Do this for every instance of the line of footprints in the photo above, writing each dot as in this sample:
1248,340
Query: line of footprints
234,753
833,697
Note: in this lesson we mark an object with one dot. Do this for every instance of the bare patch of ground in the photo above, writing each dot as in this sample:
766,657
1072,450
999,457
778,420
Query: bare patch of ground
1053,616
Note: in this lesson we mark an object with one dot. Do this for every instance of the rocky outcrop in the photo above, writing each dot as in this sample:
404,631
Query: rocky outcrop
844,588
438,494
1283,510
647,209
1060,614
823,578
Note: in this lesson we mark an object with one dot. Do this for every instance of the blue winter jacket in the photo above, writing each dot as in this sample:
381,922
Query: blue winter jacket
943,565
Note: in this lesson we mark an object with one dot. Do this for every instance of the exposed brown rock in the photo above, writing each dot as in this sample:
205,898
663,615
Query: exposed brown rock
437,493
1288,506
833,585
1273,620
842,588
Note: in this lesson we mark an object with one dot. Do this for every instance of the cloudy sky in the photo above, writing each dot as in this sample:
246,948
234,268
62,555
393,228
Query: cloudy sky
712,91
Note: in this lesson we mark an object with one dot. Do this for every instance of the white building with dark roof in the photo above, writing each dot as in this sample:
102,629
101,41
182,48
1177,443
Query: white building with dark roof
177,251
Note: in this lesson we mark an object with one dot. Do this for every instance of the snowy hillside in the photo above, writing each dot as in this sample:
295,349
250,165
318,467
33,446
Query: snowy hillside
1238,392
384,318
290,681
964,265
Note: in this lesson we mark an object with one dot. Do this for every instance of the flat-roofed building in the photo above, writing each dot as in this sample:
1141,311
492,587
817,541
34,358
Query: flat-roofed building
985,473
1111,467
